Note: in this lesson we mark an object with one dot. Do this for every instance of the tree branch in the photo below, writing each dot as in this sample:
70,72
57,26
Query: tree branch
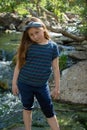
67,34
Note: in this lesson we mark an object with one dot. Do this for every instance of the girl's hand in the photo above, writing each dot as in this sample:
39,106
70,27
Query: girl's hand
15,89
55,93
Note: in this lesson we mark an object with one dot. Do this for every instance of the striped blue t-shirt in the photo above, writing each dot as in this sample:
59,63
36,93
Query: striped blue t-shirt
38,66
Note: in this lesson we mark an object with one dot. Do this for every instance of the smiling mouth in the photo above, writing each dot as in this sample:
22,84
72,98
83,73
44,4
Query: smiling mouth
37,40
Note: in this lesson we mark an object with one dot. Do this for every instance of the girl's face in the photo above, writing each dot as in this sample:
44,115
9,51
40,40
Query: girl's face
37,34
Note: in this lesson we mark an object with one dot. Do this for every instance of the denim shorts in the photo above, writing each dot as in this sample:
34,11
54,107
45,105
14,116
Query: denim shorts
42,95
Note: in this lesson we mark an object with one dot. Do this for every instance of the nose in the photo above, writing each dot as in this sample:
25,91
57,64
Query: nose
35,36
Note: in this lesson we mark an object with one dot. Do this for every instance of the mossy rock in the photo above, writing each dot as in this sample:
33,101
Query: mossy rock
4,85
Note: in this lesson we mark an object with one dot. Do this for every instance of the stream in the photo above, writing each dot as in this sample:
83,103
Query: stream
70,116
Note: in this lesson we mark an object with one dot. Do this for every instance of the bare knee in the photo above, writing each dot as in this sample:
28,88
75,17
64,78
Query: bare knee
29,112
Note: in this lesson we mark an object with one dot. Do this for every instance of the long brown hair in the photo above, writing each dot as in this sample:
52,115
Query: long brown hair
26,42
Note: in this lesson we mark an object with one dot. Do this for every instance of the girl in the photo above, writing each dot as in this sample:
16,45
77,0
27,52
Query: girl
37,56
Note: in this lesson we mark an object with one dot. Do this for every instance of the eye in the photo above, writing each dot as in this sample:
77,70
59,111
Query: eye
31,35
37,32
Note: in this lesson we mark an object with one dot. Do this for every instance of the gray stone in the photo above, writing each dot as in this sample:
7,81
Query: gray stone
80,55
73,83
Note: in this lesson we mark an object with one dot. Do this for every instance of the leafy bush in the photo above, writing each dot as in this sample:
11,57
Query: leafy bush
62,62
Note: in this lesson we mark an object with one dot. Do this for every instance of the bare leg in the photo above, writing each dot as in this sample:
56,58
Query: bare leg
27,117
53,123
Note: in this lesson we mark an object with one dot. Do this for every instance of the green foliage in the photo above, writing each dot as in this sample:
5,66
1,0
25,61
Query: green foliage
49,5
57,7
13,6
22,11
7,5
62,62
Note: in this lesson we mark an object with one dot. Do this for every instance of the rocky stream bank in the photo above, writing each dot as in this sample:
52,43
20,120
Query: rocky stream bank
71,107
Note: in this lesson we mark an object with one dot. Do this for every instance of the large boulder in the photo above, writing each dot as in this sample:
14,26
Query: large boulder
9,20
73,83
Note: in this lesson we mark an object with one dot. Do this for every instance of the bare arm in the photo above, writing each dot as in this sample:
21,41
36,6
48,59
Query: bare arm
55,66
14,81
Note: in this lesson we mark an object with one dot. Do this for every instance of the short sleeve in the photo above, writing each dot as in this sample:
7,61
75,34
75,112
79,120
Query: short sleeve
55,51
